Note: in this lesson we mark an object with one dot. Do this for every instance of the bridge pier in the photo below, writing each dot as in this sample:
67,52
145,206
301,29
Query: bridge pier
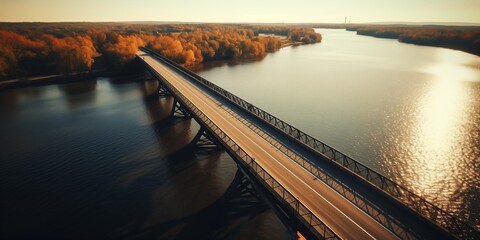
162,91
178,111
245,195
242,196
204,141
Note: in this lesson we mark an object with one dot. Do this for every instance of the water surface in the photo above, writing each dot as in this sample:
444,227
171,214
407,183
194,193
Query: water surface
100,160
410,112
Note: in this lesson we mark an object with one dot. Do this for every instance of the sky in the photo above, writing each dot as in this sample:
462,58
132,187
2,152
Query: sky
256,11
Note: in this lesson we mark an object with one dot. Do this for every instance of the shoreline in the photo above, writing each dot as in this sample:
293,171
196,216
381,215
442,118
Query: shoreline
50,79
44,80
64,79
418,42
199,67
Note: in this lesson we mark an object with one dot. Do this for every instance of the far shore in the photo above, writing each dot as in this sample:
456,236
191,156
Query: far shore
64,78
455,38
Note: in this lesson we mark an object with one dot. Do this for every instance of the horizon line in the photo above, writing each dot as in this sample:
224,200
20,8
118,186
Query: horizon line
289,23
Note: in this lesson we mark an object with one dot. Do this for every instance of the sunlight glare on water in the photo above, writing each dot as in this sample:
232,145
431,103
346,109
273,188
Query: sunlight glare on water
434,138
436,133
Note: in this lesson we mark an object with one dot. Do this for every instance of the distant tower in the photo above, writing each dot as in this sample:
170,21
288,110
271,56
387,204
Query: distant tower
350,20
345,19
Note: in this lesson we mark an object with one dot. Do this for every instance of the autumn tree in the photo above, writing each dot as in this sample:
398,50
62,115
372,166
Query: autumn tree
19,55
71,54
122,51
272,44
304,35
41,48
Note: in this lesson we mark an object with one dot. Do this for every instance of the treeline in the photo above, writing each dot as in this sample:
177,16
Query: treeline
20,56
196,47
46,48
464,39
66,29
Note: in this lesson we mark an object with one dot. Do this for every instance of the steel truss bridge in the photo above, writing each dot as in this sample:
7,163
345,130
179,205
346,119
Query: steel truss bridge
313,188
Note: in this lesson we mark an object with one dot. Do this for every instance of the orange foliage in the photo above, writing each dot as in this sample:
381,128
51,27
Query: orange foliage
44,48
167,46
195,47
20,55
123,51
271,43
71,54
304,35
17,49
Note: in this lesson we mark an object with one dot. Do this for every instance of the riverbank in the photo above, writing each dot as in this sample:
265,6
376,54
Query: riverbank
203,66
45,80
65,79
458,38
62,78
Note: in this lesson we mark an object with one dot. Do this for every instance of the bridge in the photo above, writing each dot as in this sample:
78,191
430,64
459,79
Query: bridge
314,189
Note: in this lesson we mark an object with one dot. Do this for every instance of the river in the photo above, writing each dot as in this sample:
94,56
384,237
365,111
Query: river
410,112
99,159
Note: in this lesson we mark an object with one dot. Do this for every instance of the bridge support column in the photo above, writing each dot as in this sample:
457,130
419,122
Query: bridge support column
178,111
243,198
162,91
204,141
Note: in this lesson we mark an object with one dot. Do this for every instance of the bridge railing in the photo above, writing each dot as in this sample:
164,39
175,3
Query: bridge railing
377,213
420,205
312,222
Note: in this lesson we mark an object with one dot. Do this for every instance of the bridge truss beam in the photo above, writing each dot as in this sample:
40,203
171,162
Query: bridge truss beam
295,217
162,90
204,141
178,111
242,196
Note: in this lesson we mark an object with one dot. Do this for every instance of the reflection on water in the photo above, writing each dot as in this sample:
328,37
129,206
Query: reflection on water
76,93
409,112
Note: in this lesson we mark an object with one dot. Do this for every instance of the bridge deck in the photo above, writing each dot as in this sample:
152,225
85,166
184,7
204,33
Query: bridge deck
340,215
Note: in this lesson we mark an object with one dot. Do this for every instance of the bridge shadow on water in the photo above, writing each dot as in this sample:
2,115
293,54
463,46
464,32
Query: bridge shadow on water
224,218
184,193
130,175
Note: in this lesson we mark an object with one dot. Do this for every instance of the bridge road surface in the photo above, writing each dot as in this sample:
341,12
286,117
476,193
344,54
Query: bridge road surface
341,216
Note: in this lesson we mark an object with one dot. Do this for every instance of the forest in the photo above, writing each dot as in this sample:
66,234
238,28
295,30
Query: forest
460,38
29,49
